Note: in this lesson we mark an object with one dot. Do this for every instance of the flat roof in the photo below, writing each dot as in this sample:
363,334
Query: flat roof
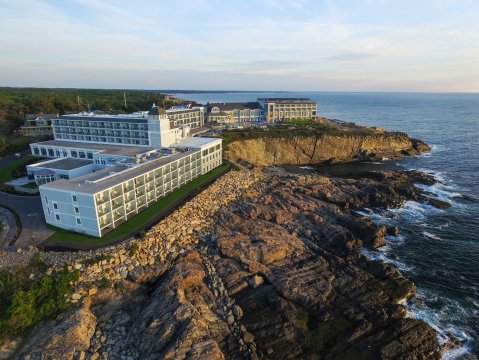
64,164
103,180
288,100
121,150
138,117
172,111
196,142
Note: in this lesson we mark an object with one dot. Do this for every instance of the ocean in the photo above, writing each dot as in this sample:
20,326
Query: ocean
437,249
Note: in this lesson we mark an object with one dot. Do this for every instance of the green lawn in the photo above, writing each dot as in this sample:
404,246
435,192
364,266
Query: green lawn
6,172
65,238
30,186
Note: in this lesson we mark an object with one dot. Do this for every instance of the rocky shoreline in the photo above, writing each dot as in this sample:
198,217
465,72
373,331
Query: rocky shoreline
256,266
324,148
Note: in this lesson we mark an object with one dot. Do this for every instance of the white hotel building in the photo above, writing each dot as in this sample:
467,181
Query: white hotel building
104,169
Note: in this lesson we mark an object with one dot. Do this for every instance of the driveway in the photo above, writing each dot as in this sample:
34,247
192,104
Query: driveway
30,212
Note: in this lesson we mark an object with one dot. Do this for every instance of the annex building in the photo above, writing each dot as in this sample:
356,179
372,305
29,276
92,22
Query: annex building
104,169
262,110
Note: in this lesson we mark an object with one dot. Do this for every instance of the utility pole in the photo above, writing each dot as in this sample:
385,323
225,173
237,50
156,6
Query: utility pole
78,99
124,98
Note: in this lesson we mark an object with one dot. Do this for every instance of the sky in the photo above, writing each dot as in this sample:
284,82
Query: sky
290,45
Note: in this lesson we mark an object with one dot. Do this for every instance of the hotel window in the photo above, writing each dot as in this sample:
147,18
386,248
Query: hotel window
57,217
78,221
77,211
74,197
55,206
46,200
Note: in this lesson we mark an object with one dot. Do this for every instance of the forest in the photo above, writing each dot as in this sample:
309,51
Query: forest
15,103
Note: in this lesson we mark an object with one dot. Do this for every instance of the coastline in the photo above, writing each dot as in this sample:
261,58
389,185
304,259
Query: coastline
356,231
287,237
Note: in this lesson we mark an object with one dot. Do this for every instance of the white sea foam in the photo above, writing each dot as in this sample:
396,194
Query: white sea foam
414,212
396,240
381,256
431,236
434,148
441,320
378,216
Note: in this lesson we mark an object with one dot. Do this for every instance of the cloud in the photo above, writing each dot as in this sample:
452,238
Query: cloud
103,6
350,57
273,41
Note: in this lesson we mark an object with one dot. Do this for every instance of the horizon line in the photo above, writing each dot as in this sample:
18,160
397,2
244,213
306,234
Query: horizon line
173,91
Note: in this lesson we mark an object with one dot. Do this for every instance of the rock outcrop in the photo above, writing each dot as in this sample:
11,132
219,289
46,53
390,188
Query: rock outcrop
305,150
63,338
275,271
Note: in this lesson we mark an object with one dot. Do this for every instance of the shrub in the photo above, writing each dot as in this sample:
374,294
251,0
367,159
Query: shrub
104,283
134,249
26,300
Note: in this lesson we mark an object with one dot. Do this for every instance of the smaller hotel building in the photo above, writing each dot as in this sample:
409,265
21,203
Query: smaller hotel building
93,182
263,110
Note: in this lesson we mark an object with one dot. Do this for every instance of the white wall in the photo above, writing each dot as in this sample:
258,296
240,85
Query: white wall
65,209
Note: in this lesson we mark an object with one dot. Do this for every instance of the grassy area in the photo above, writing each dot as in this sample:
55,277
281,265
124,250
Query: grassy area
25,301
30,186
6,172
291,128
65,238
13,143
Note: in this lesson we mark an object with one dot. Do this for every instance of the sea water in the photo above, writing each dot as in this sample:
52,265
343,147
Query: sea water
437,249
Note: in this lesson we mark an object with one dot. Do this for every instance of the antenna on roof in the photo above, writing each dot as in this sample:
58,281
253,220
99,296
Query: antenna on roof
88,106
124,98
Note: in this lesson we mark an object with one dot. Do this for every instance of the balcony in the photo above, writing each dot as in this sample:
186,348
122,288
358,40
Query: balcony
116,204
117,215
101,200
115,195
103,211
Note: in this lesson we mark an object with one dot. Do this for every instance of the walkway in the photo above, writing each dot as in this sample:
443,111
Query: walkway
30,212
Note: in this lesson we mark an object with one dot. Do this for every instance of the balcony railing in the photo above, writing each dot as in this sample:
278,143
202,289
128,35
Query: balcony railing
101,200
116,205
117,216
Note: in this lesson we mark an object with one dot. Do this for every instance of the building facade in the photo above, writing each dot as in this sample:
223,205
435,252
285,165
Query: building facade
95,205
265,109
234,112
128,129
279,109
193,117
38,124
91,186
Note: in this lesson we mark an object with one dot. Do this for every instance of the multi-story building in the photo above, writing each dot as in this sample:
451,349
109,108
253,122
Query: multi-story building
265,109
38,124
128,129
92,186
193,117
234,112
279,109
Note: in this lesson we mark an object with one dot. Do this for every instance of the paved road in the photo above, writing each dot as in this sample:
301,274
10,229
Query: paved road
8,159
30,211
9,227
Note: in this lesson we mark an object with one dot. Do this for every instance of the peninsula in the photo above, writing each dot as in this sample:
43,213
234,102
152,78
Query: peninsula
262,264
